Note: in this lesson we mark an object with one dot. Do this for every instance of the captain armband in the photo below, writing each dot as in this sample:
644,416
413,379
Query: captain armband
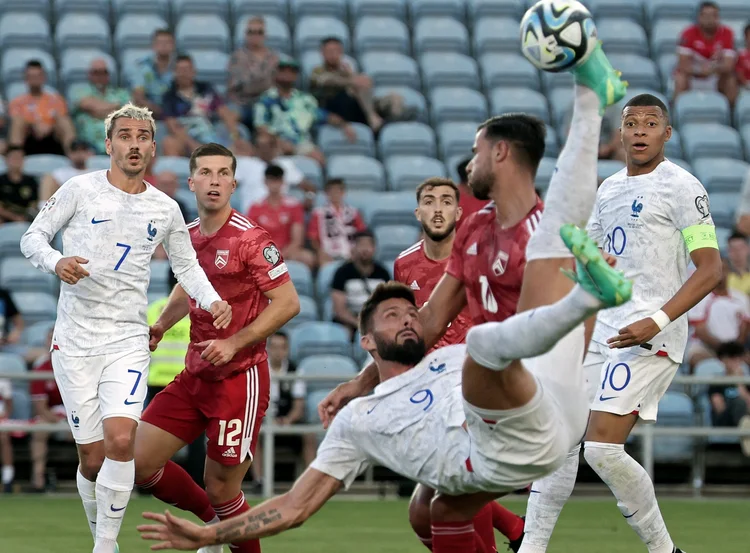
700,236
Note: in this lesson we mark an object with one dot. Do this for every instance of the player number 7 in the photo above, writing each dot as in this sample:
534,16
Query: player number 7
124,254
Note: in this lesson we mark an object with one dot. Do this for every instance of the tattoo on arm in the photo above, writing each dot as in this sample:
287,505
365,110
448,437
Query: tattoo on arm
243,528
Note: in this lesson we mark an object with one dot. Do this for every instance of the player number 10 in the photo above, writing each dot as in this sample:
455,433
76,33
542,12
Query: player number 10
615,241
228,432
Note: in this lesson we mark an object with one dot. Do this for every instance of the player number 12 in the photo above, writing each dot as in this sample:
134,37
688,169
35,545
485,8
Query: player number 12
124,254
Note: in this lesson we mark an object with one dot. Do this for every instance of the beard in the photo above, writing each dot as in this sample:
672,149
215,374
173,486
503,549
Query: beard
409,353
438,236
481,185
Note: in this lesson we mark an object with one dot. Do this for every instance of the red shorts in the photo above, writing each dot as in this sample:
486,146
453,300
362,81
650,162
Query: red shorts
230,411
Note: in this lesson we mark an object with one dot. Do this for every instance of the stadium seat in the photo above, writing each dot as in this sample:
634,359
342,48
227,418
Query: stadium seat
457,104
24,30
722,174
741,110
202,32
315,338
701,107
675,409
507,70
218,8
607,167
311,30
391,69
733,10
19,275
666,33
277,34
177,165
129,59
359,172
496,34
210,65
264,8
377,8
317,8
159,283
669,9
638,71
152,7
332,141
42,7
99,163
75,62
308,312
746,140
35,306
440,34
79,7
667,64
622,36
80,30
701,140
407,138
456,138
325,278
137,30
36,335
14,61
387,208
481,9
381,33
544,172
310,168
405,172
301,277
10,239
39,165
602,9
342,367
507,100
723,205
449,69
437,8
673,148
393,239
551,143
553,81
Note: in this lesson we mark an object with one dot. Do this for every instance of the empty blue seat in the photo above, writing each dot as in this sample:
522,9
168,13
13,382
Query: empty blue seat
457,104
325,278
393,239
742,111
669,9
665,35
35,306
14,61
358,171
159,283
553,81
378,8
315,338
10,239
480,9
178,165
218,8
155,7
210,65
405,172
340,367
301,277
721,174
79,30
251,8
407,138
308,312
437,8
332,141
735,10
440,34
36,335
638,71
508,70
19,275
544,172
391,69
381,33
496,34
90,7
706,368
673,147
677,410
746,140
310,168
449,69
601,9
622,36
39,165
701,107
456,138
32,6
386,208
24,30
137,30
204,31
605,168
710,140
277,34
510,100
311,30
327,8
723,205
75,62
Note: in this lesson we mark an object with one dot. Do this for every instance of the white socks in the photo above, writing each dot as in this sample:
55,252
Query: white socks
113,486
86,489
571,194
548,496
531,333
9,473
634,491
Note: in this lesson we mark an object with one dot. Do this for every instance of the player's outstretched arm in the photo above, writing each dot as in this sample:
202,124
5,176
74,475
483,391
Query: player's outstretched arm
311,491
445,303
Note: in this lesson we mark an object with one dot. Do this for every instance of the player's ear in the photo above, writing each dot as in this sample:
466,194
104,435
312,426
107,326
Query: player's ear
191,186
367,343
668,133
459,213
416,214
108,146
500,150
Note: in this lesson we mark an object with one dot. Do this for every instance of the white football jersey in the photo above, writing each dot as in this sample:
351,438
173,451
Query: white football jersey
412,424
117,233
640,220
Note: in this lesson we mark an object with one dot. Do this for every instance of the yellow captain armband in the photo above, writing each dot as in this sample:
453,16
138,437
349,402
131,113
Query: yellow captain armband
700,236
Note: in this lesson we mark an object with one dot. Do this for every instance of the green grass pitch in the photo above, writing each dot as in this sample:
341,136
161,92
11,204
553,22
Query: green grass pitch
52,524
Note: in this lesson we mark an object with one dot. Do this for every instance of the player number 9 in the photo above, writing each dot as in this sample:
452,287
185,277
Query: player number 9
423,396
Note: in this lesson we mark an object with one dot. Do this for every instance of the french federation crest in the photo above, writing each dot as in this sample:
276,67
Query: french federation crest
222,258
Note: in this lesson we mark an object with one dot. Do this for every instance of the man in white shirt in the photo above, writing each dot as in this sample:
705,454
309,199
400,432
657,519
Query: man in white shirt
111,223
79,153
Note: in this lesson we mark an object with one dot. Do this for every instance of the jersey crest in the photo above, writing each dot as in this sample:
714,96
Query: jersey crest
222,258
500,264
637,207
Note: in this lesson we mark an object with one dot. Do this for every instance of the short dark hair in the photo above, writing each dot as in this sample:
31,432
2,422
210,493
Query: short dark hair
737,235
328,39
14,148
383,292
363,234
34,64
211,149
334,182
183,57
730,349
647,100
434,182
274,172
703,5
463,176
525,132
162,31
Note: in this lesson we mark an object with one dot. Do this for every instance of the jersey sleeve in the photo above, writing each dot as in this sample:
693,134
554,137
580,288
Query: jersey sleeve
685,46
184,262
726,39
339,455
690,213
263,260
455,262
594,226
398,270
339,279
56,213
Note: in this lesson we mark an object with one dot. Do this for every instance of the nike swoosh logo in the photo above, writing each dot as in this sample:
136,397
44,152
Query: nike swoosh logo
116,510
372,408
602,398
131,402
630,516
534,491
95,222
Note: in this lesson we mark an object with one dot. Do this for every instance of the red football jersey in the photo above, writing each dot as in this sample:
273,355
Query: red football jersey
743,64
242,262
694,43
490,262
278,220
45,389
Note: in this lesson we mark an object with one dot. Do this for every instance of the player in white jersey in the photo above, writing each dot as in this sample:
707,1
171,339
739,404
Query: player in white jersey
653,217
111,223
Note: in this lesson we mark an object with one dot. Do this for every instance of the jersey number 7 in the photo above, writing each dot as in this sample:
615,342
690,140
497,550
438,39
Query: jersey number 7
124,254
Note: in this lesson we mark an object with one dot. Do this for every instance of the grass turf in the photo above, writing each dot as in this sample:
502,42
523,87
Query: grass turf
51,524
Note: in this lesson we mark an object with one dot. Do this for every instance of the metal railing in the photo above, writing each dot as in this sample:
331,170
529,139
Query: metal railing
648,432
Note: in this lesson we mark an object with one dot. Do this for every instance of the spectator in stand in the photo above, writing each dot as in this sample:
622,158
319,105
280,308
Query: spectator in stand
355,280
39,119
3,126
742,223
190,109
467,202
730,404
19,193
11,324
169,183
291,115
79,153
153,73
743,61
720,317
332,227
251,70
284,219
738,253
6,447
93,102
707,58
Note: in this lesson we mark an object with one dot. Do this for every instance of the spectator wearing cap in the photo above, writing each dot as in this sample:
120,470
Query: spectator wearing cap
79,153
291,115
153,73
18,191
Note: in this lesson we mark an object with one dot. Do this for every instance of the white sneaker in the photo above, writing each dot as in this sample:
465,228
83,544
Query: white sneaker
211,549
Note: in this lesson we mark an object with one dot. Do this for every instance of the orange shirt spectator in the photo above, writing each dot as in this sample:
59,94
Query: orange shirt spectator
44,109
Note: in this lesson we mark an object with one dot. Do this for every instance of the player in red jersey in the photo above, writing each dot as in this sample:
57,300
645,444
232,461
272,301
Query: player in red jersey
224,389
743,60
420,267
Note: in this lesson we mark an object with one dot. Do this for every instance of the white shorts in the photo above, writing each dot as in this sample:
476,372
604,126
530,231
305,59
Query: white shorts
621,382
512,448
99,387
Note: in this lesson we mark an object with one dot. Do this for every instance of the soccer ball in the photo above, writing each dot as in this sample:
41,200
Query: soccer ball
557,35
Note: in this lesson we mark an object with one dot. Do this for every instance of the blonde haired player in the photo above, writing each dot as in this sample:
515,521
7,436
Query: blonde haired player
111,223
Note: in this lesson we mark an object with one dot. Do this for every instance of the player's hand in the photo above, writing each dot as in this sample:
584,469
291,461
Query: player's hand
155,334
174,533
610,259
218,352
222,313
337,400
635,334
69,269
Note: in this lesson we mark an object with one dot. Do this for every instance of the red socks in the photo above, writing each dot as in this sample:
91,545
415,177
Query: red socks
456,537
174,486
230,509
483,529
506,522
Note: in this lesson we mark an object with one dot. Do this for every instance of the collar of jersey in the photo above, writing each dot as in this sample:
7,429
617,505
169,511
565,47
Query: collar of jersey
397,382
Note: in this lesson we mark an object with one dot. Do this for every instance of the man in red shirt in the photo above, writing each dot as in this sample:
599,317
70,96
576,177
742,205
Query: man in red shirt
333,226
706,56
468,203
283,217
743,61
224,389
